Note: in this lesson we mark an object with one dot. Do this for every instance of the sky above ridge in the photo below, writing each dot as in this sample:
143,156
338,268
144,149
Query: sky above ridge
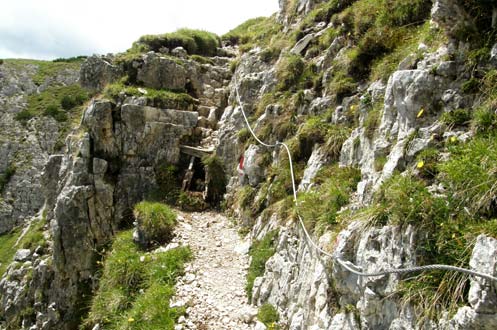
48,29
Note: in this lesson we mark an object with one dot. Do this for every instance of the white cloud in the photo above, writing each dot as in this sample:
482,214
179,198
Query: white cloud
57,28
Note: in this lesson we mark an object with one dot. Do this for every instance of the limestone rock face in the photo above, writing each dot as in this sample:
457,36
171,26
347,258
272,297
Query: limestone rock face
90,190
449,15
162,73
25,148
97,71
482,314
108,166
253,78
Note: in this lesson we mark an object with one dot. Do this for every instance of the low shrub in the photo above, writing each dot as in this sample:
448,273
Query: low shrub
155,223
403,200
427,163
55,112
23,116
289,70
458,117
192,201
484,120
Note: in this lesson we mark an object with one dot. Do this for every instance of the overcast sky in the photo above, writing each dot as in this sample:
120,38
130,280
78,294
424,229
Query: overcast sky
48,29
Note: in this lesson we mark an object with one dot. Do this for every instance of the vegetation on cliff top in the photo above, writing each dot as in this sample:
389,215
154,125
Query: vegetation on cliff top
193,41
164,99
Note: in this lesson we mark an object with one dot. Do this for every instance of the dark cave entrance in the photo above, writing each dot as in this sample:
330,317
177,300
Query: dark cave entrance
197,181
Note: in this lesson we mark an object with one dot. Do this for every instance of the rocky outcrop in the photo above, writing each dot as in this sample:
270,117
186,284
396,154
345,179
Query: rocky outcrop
25,147
482,297
97,71
110,164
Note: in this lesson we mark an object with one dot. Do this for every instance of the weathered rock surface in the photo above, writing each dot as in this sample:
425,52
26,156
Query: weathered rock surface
97,71
25,147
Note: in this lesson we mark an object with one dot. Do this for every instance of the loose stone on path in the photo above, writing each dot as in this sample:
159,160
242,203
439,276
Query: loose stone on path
213,287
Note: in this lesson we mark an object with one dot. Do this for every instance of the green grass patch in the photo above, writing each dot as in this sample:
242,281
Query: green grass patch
59,102
427,163
458,117
470,176
404,199
7,249
196,42
156,222
268,315
372,120
484,117
289,71
202,59
254,32
34,237
333,187
260,251
447,226
157,98
135,294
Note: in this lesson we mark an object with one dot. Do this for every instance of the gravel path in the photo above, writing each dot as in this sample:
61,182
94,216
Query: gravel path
212,288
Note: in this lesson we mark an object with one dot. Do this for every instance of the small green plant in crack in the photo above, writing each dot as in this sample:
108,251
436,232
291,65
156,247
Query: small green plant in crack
372,121
5,177
269,315
260,251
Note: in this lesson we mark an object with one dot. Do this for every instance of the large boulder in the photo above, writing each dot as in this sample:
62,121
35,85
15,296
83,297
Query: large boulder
162,72
98,71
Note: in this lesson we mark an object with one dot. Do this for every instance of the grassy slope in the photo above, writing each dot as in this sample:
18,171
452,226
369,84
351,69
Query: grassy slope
381,34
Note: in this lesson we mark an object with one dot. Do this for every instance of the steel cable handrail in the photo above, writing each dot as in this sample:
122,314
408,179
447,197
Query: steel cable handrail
347,264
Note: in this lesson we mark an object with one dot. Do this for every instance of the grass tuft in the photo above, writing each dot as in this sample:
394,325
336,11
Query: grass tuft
156,222
268,315
260,252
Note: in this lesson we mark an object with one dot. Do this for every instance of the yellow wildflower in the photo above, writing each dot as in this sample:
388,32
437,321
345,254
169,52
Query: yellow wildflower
420,113
421,164
130,320
453,139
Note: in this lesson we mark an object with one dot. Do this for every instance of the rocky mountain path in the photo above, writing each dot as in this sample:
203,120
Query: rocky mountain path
213,287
